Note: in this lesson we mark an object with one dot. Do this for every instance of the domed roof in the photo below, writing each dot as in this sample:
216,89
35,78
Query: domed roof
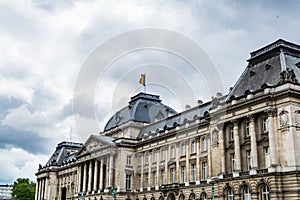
142,107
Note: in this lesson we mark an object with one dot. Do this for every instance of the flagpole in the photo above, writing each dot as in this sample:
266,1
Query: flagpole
145,89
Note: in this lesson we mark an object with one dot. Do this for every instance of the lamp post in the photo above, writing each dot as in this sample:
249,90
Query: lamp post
81,194
113,192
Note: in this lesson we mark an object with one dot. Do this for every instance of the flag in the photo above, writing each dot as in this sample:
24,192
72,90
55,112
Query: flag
142,79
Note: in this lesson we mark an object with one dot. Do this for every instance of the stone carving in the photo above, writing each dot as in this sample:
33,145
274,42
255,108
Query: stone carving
159,116
215,137
288,75
284,118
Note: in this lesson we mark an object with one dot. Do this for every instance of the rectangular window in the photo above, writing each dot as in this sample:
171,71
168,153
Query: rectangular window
204,170
163,178
128,181
147,179
193,147
249,159
162,154
265,125
147,158
154,178
173,173
140,158
204,144
154,156
267,156
183,174
128,160
247,127
231,133
233,167
194,172
140,180
173,153
183,149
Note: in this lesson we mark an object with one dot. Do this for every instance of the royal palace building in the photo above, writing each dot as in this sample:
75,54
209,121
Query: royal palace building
244,145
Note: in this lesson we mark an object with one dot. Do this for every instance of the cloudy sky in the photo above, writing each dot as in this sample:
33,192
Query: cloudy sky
44,45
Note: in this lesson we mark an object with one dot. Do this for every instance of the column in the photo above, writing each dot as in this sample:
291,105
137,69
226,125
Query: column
209,161
42,188
37,189
177,168
237,150
198,160
101,175
167,158
107,172
187,162
79,178
150,171
222,150
158,177
96,175
272,141
90,176
84,178
142,173
253,143
46,188
111,165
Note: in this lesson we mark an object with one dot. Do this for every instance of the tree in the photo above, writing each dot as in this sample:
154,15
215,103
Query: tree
23,189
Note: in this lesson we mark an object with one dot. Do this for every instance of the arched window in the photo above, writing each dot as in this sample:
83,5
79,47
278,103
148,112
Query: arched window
203,196
192,196
230,194
181,197
152,198
265,193
161,198
246,195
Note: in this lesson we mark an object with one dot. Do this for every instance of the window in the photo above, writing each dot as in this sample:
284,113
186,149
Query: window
193,147
249,159
203,196
154,178
140,158
194,172
265,193
173,151
230,195
233,167
173,172
246,193
154,159
204,170
140,180
204,144
162,154
128,160
163,178
231,133
183,174
267,156
128,181
183,149
147,158
265,125
247,127
147,179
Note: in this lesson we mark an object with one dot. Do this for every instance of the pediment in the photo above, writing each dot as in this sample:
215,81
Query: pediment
94,143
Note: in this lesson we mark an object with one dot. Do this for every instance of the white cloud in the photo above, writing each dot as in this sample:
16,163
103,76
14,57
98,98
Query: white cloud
18,163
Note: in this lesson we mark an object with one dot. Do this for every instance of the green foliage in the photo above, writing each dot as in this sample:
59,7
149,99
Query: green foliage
23,189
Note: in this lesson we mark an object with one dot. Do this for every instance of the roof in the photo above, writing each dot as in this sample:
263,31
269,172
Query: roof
64,152
268,67
142,107
178,119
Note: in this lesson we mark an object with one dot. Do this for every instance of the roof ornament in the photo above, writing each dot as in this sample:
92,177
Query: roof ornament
288,75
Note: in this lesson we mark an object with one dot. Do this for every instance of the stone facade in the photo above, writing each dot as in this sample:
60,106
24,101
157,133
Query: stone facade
243,145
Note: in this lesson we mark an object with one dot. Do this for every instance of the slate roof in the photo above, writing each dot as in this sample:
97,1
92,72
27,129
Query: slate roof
197,112
64,152
142,107
265,67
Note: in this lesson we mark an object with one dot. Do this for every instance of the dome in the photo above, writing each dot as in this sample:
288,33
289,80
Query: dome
142,107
